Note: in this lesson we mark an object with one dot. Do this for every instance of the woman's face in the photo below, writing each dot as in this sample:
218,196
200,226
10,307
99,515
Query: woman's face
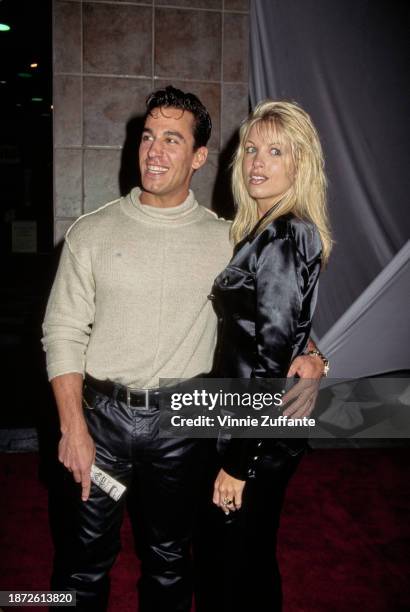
268,168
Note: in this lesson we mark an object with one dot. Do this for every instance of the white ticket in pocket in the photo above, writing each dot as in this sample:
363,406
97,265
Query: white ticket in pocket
107,483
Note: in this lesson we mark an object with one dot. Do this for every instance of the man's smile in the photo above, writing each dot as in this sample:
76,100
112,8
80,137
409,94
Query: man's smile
151,169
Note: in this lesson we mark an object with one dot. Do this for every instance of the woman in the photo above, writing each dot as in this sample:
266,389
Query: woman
264,300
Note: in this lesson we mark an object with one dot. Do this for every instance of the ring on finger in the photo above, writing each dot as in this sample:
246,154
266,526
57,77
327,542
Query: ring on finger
226,501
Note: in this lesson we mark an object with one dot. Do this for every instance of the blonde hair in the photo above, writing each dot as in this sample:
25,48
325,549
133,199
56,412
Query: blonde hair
306,197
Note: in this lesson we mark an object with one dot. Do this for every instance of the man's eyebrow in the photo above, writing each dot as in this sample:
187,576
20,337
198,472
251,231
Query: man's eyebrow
172,133
167,133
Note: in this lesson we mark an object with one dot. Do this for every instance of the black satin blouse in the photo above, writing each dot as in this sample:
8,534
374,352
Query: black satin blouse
264,300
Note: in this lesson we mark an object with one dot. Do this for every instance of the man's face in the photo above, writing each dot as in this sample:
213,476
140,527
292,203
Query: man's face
167,158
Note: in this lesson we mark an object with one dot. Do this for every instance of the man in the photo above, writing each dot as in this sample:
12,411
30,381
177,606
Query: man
128,307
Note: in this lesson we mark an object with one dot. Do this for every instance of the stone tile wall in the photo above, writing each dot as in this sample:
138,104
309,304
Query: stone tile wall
108,56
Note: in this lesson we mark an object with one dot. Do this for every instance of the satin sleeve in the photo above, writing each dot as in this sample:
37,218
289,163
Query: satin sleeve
278,307
286,278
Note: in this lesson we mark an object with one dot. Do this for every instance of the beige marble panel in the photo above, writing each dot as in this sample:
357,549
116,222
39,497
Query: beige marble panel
206,4
237,5
67,36
210,96
127,1
203,181
235,108
117,39
109,103
188,44
67,111
101,177
60,228
68,182
236,47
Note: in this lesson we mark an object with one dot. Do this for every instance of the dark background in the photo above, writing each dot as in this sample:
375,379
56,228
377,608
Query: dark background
26,194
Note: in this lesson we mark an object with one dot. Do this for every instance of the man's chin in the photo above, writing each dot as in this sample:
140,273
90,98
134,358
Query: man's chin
150,194
151,186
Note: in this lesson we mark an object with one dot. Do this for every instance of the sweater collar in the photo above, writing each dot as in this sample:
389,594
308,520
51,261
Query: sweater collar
154,214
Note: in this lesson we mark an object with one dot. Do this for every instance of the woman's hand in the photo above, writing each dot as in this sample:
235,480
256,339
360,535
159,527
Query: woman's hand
228,492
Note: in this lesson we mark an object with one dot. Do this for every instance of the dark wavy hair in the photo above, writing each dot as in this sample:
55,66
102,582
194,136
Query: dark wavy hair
175,98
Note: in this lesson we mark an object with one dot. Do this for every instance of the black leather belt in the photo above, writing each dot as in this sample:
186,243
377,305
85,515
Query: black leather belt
146,399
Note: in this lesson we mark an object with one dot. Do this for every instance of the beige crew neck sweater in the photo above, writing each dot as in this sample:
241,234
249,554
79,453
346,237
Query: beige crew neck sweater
129,301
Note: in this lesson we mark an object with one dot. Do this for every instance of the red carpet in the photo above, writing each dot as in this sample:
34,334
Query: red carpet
344,539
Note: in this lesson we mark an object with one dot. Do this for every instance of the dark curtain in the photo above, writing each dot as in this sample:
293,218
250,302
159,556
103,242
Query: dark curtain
346,63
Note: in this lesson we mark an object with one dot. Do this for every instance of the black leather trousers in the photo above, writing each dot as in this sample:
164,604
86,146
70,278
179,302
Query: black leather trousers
160,475
236,569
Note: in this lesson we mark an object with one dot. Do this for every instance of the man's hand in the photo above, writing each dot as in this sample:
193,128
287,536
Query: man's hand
76,448
302,397
228,492
76,451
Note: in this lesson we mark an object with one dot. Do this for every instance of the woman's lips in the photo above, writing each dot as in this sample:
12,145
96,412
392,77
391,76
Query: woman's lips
257,179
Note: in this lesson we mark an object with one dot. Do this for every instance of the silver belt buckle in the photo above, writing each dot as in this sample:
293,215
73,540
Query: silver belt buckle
146,391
